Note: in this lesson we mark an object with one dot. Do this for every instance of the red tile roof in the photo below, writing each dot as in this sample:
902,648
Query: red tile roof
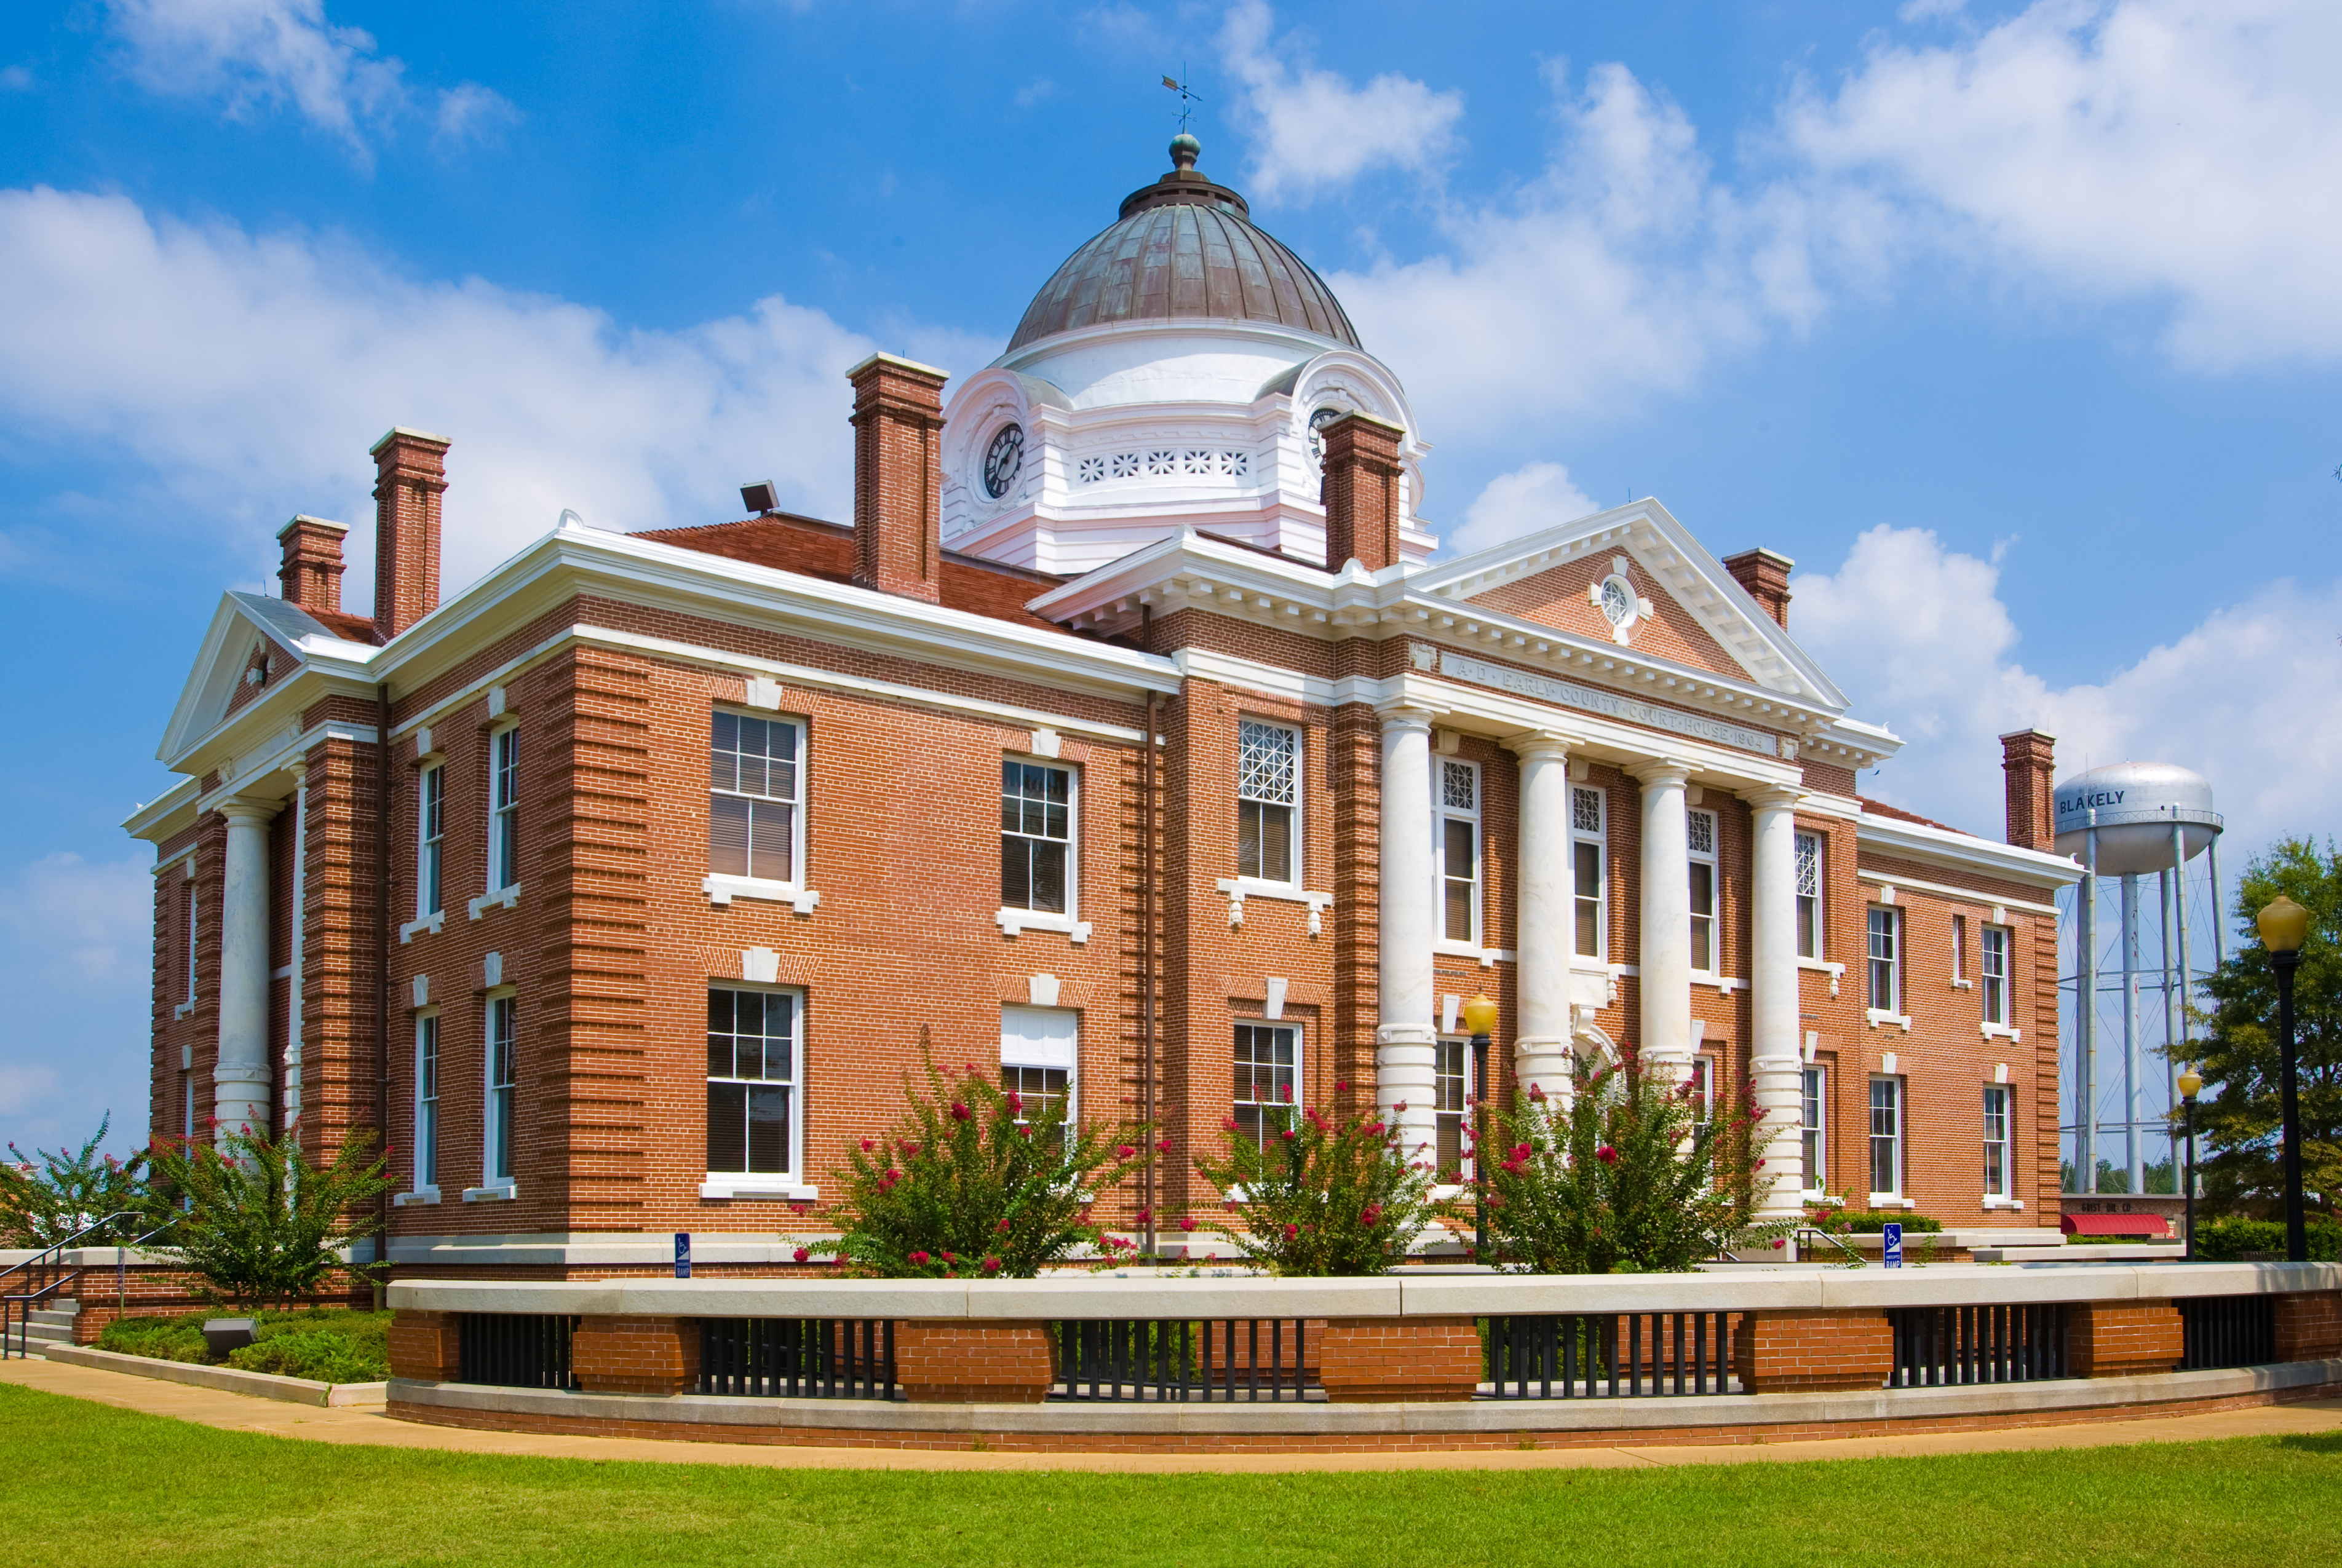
348,627
1879,808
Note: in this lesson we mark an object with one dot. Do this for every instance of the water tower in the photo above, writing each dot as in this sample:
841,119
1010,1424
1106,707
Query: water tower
2129,820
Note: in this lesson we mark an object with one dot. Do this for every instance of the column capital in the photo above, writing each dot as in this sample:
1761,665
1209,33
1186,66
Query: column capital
243,808
1660,771
1773,797
1402,715
1535,744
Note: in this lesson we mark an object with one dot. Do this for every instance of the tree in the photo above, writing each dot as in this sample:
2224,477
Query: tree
2238,1115
69,1191
263,1223
1321,1200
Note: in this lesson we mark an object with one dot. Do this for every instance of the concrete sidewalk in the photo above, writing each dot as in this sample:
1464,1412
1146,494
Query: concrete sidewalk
237,1412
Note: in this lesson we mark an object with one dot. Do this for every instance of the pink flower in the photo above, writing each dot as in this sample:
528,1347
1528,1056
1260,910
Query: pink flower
1607,1154
1287,1135
1187,1221
1779,1243
949,1256
801,1254
1227,1123
1537,1093
1291,1232
1164,1147
1124,1151
1145,1215
1372,1127
1016,1103
992,1265
1284,1095
867,1146
1002,1228
1371,1215
1341,1086
959,1111
971,1068
1760,1165
1026,1133
893,1175
919,1258
1515,1167
1400,1107
1522,1150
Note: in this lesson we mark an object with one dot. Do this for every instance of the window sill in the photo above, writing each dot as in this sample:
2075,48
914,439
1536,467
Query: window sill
182,1010
1892,1201
1484,956
2003,1031
501,1192
503,897
1725,984
430,923
722,888
779,1188
1834,971
1959,985
1239,888
420,1195
1017,922
1874,1016
2014,1205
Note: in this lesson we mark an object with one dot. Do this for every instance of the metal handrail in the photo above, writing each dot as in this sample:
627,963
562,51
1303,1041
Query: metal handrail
48,1265
1806,1231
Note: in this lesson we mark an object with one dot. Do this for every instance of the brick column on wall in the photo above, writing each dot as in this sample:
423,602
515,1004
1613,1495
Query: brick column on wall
958,1361
410,476
2122,1339
1392,1360
635,1354
424,1347
1801,1352
898,419
2309,1325
1362,491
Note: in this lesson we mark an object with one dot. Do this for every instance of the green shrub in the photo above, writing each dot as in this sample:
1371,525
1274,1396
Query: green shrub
1320,1201
2228,1241
1872,1223
264,1223
156,1338
327,1344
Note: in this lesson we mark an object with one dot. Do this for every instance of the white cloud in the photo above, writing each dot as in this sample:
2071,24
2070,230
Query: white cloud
1537,495
16,78
74,945
1311,129
1919,636
470,113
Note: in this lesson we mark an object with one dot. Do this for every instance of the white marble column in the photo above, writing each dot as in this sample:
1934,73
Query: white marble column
241,1077
1774,1058
1665,932
1404,1054
1541,1041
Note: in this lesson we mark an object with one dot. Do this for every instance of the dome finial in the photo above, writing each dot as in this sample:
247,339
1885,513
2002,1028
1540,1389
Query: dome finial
1184,149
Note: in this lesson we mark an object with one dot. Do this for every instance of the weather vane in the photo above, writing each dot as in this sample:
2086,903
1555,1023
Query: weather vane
1188,99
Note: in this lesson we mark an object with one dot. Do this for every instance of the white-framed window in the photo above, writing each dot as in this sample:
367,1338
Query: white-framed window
1451,1083
752,1081
1959,949
1455,850
503,1090
430,839
1886,1136
1040,1061
1700,835
504,809
1588,848
1993,972
1267,1075
1885,963
1809,895
1269,802
1037,837
1999,1150
1816,1129
427,1102
755,792
1703,1088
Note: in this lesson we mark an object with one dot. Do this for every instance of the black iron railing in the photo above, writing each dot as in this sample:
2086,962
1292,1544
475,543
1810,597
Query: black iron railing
1609,1355
1177,1359
1937,1346
798,1358
2227,1330
515,1350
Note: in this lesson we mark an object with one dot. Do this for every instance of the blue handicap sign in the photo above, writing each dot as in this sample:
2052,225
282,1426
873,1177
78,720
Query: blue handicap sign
682,1254
1893,1233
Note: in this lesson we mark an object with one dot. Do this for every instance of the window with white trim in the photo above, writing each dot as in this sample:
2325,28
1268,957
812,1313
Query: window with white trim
1587,849
1817,1130
1040,1058
1037,837
1809,895
427,1102
1699,834
503,1088
1993,972
1999,1150
504,810
1451,1082
430,839
1268,1076
752,1079
1455,850
1886,964
755,788
1886,1136
1703,1088
1269,801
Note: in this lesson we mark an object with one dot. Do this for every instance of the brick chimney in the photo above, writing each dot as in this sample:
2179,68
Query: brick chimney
311,575
1765,575
2025,759
1362,491
410,472
898,415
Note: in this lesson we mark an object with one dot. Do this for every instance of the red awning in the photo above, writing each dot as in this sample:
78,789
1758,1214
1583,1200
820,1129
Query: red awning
2115,1225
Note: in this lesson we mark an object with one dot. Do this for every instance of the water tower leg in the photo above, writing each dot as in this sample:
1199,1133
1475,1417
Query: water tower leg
2166,881
2219,916
2085,1170
2131,1150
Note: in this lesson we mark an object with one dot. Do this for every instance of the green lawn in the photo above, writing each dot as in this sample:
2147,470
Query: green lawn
85,1484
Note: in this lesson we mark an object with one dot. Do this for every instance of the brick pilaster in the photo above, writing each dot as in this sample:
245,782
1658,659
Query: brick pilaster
898,419
1007,1363
635,1354
2309,1325
1385,1361
425,1346
1801,1352
2122,1339
1362,491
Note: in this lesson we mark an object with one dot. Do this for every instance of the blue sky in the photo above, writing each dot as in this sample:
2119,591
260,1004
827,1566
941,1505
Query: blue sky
2019,328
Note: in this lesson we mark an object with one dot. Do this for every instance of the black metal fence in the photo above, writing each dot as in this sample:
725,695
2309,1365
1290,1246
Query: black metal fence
798,1358
2227,1330
1609,1355
514,1350
1180,1358
1937,1346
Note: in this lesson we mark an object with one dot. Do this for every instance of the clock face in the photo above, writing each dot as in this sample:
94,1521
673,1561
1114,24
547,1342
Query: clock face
1617,601
1317,423
1002,461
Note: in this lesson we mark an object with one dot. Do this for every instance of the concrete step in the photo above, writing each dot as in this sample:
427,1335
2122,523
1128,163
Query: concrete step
41,1333
54,1316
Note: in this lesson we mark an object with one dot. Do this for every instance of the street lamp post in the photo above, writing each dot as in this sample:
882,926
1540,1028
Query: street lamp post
2284,927
1480,1018
2191,1083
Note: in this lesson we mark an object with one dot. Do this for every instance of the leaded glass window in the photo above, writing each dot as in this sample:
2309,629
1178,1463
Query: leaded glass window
1587,850
1809,895
1268,799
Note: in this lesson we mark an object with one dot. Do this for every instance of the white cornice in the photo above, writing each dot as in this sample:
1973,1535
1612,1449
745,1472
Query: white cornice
1964,852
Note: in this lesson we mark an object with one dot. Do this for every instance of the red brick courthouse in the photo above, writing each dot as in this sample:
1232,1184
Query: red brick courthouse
1127,737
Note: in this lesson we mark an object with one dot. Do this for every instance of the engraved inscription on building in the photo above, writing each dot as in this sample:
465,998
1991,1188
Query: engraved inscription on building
1568,693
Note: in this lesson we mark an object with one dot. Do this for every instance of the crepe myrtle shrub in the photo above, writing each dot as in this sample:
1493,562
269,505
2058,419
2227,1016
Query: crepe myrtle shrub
69,1191
1622,1176
262,1224
1320,1198
976,1182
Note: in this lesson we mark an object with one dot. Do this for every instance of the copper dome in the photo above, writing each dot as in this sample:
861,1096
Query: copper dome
1184,249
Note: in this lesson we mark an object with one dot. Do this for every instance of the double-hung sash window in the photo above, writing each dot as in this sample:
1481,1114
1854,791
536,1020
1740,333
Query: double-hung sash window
1703,1088
1586,849
755,788
504,1080
1809,895
1455,845
1886,1136
1699,832
431,839
1451,1080
1995,974
1817,1131
752,1079
427,1102
1998,1156
1885,961
504,810
1268,1073
1269,802
1040,1052
1037,836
